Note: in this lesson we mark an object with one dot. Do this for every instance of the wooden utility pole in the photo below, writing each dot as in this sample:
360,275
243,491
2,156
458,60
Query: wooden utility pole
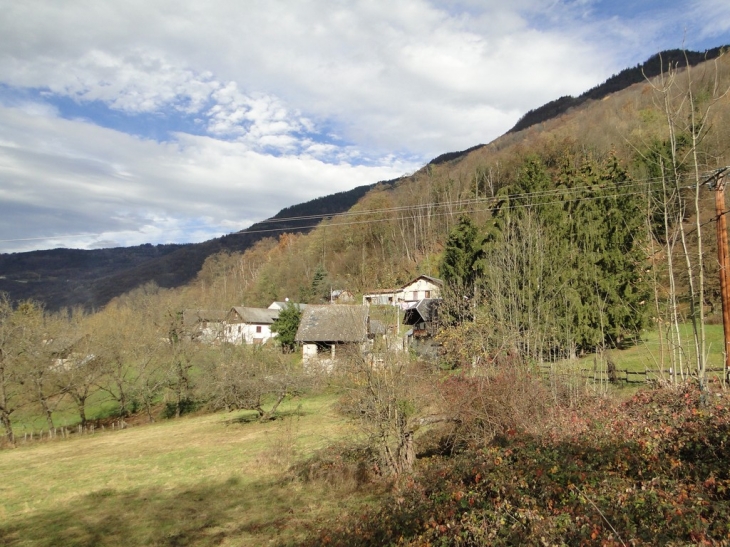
723,256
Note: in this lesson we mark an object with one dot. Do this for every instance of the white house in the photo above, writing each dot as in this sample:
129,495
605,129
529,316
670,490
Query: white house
249,325
423,286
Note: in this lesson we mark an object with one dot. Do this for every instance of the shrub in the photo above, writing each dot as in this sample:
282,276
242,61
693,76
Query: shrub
186,406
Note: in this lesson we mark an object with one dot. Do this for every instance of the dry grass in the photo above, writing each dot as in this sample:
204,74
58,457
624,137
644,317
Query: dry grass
206,480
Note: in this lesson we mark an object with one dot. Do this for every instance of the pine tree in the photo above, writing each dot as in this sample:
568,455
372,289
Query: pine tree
286,325
462,265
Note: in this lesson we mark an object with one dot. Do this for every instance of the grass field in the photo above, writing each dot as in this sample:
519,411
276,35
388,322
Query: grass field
217,479
646,355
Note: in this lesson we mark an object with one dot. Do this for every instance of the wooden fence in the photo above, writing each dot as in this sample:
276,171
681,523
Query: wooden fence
616,375
23,436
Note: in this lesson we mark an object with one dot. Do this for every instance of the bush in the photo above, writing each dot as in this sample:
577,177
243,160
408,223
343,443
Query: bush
651,471
500,401
187,406
341,466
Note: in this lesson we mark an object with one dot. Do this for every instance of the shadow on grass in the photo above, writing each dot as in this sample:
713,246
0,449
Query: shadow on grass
206,514
253,417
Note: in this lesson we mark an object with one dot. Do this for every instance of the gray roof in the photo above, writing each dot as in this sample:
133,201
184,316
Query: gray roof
423,310
282,305
433,280
193,317
261,316
333,324
63,346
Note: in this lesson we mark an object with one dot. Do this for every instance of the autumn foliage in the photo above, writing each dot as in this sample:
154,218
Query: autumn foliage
650,471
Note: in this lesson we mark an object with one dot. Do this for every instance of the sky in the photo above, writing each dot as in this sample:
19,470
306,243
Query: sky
153,121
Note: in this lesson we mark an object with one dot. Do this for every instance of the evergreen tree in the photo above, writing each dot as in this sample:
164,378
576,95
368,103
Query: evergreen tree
319,290
286,326
461,264
565,259
460,268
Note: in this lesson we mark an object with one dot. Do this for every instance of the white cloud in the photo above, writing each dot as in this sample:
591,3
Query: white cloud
712,17
68,177
354,63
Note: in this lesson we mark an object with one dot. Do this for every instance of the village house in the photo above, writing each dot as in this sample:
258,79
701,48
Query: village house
249,325
322,329
67,353
204,325
422,316
380,297
341,296
422,287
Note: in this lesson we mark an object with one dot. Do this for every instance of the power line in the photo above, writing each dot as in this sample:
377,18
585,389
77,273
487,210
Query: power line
66,236
461,203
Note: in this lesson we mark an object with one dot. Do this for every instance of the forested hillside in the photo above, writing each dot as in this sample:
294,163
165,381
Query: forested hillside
394,233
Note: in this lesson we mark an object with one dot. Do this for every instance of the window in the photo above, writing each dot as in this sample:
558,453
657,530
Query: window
258,329
426,294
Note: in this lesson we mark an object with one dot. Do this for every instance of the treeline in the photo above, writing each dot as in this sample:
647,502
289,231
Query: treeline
138,353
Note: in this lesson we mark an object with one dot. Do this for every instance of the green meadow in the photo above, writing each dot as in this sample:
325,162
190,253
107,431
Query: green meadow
216,479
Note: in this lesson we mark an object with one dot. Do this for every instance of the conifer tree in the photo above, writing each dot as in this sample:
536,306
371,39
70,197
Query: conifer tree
461,267
286,326
565,258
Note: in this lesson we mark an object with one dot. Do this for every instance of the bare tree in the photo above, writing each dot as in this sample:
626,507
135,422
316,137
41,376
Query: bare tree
391,398
13,345
687,116
247,377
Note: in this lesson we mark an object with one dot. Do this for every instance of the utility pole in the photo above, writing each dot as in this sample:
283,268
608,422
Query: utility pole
723,257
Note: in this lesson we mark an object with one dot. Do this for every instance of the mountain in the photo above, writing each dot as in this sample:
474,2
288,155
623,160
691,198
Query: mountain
90,278
67,277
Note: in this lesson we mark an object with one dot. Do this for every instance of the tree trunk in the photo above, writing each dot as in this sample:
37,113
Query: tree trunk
148,408
43,400
269,415
81,406
7,424
406,453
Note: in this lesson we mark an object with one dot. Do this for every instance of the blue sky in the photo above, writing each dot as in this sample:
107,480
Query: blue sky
157,121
